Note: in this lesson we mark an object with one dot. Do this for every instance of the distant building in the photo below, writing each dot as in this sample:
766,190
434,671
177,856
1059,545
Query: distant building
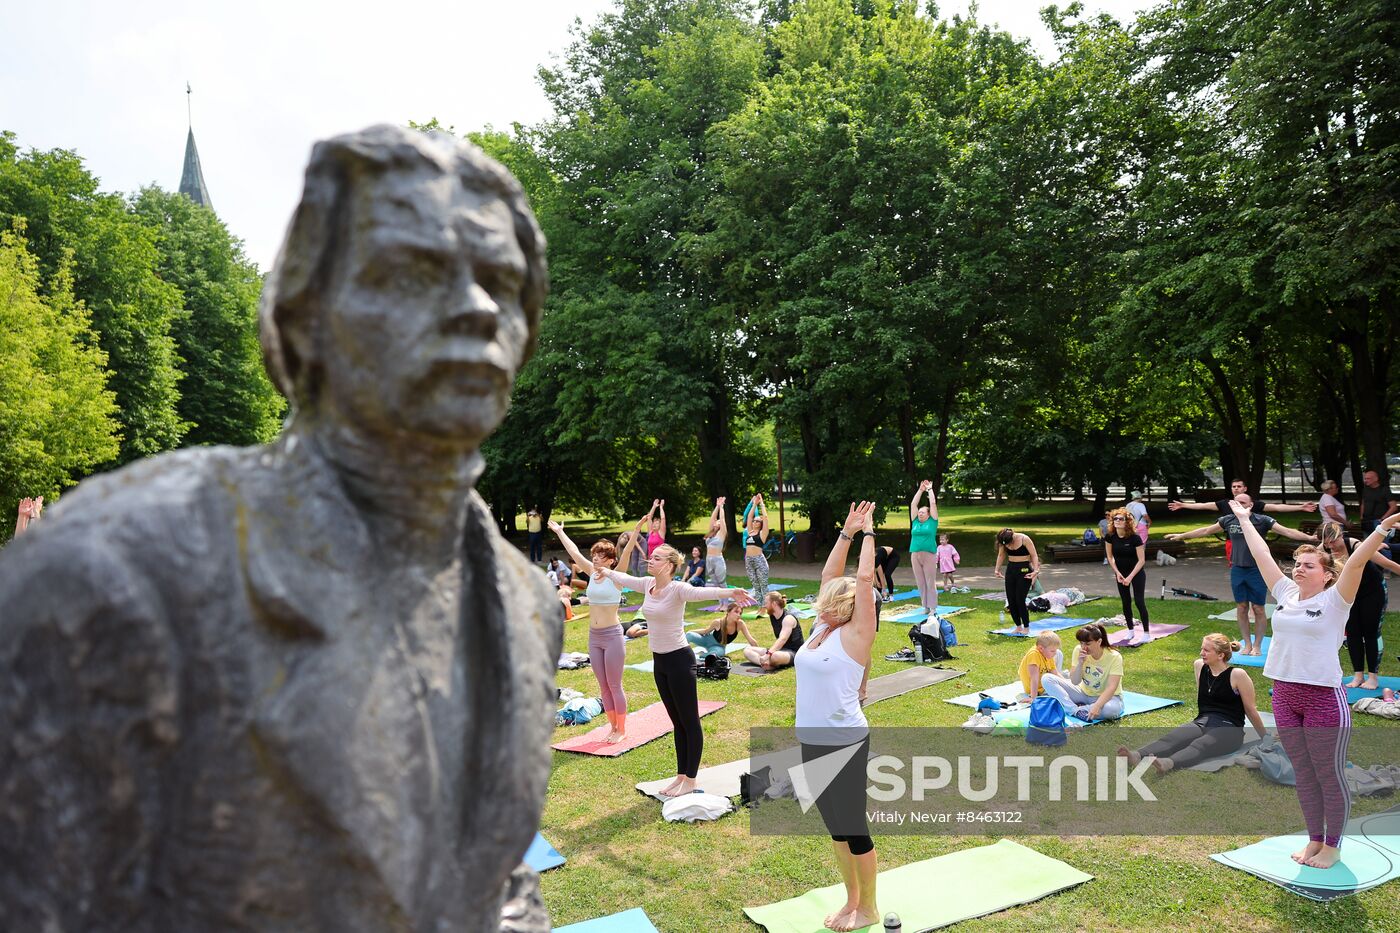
192,179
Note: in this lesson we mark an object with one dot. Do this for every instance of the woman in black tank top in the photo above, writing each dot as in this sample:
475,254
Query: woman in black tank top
1224,699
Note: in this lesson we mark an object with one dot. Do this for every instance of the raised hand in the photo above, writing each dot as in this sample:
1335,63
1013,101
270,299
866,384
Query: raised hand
1174,506
720,501
556,527
1240,511
741,596
868,526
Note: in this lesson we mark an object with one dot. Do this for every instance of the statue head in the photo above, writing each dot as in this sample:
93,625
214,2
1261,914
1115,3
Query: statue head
408,292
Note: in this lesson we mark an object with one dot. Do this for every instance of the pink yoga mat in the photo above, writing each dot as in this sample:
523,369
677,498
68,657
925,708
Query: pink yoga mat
1136,637
642,727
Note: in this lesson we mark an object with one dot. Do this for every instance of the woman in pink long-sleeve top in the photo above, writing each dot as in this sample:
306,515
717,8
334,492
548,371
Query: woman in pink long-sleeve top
673,666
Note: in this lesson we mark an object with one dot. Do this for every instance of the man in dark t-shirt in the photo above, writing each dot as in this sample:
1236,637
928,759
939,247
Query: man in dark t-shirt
1246,582
1377,501
1237,489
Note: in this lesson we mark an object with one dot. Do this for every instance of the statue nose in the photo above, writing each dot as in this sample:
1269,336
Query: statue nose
475,313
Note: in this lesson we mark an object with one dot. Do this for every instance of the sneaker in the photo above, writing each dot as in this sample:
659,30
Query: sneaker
903,654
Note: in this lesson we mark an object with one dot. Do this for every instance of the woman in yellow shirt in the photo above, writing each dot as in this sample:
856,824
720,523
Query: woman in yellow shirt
1094,688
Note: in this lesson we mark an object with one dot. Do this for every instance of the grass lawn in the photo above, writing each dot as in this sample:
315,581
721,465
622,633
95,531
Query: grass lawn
699,877
971,527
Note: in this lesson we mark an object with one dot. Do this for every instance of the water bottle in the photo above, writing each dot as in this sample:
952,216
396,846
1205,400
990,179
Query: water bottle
892,924
1001,617
918,652
1164,587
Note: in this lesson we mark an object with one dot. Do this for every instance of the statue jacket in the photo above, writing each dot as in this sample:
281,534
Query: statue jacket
221,707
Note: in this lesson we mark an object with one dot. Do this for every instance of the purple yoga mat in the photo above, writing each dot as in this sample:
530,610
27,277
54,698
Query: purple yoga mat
1132,637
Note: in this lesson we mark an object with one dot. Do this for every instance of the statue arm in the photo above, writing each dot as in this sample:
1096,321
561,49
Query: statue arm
89,708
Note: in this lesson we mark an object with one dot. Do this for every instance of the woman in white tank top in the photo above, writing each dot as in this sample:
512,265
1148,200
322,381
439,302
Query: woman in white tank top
832,668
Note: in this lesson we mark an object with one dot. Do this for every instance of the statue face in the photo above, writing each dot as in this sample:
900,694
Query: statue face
424,329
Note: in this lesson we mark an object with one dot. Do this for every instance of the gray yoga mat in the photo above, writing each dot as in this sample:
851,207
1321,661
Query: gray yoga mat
902,682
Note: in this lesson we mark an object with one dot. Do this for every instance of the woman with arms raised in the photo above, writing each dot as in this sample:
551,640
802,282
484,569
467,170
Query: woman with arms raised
832,666
1310,705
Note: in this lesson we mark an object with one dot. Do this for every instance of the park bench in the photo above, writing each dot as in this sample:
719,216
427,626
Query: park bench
1078,551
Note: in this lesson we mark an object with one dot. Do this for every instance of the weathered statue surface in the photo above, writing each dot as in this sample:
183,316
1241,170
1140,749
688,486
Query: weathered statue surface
305,686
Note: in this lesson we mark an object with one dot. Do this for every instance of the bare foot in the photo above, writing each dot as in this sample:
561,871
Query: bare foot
836,916
613,737
1325,857
1132,756
670,789
1307,852
1372,683
1163,765
684,786
1355,681
858,919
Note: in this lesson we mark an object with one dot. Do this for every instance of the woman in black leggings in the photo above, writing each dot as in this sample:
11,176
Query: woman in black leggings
1364,620
1127,554
886,560
1224,699
1017,551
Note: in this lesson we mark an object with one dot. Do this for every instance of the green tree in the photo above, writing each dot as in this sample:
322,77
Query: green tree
114,264
225,396
57,417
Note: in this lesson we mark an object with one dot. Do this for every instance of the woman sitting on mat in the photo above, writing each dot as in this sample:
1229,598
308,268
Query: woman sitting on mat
1017,552
1224,699
1042,659
1094,688
1127,555
1310,705
787,635
694,569
673,660
831,677
606,645
718,635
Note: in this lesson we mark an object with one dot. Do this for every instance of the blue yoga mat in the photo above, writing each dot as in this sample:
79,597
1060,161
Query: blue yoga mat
907,594
1133,703
921,615
629,921
1370,857
1047,624
1356,693
1256,660
541,856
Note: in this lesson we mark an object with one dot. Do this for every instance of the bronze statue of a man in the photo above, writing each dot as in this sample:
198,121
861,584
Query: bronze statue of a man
304,686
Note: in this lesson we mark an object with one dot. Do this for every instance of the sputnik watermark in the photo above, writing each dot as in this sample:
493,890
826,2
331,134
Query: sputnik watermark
1113,778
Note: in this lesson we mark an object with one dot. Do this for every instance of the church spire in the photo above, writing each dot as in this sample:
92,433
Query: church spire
192,179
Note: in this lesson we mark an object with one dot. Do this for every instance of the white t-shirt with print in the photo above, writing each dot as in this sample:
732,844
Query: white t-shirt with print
1306,636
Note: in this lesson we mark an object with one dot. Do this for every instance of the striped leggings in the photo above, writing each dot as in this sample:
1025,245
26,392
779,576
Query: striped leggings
1314,725
757,566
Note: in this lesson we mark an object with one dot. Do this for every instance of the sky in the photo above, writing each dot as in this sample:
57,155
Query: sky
107,80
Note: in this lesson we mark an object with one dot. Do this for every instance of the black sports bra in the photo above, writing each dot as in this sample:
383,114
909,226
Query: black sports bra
1021,551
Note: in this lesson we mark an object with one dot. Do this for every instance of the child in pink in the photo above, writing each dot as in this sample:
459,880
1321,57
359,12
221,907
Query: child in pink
948,560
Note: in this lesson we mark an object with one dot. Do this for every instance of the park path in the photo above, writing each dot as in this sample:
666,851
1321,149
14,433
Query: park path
1208,575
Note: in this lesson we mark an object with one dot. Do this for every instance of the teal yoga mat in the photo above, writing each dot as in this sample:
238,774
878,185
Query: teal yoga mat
629,921
1254,660
920,615
541,856
1133,703
936,892
1047,624
1356,693
1370,857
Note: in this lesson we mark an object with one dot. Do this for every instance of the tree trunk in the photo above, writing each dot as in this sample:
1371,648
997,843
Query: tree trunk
945,417
906,441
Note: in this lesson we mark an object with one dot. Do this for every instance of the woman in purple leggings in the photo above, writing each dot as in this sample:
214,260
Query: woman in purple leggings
1310,705
607,648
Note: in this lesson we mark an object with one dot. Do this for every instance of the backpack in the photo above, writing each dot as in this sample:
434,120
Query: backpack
715,667
1047,722
950,634
933,646
1038,604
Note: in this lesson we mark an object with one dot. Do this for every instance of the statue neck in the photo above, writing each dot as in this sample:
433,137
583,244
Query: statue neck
411,493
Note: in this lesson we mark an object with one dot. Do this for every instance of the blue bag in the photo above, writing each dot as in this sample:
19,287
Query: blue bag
1047,722
950,634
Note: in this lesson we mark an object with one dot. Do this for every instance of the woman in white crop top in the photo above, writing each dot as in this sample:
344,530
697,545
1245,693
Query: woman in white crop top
673,661
607,647
1310,705
832,668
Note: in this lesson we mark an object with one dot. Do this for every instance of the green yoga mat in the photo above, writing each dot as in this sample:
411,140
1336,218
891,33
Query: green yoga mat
938,891
1370,856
